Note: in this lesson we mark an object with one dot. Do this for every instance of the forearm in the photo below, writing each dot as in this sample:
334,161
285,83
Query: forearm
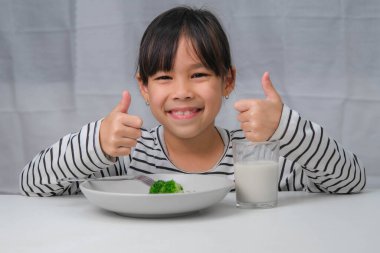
75,155
326,166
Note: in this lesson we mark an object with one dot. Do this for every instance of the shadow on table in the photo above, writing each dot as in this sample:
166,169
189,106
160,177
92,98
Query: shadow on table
286,199
304,198
227,207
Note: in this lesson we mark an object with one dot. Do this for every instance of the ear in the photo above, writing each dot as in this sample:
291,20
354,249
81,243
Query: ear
229,82
143,88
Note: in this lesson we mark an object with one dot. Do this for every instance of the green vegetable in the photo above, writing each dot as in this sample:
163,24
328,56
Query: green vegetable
161,186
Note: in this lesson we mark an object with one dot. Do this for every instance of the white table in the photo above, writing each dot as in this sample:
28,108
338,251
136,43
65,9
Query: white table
302,222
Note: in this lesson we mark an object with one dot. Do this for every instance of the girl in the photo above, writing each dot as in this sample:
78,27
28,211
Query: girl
184,71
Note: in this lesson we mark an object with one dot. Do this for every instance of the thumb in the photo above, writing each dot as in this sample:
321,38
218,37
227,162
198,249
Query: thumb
269,90
124,103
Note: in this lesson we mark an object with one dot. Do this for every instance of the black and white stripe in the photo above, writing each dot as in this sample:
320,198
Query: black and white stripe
314,162
310,160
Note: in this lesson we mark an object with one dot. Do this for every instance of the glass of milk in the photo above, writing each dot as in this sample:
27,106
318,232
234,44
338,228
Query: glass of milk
256,173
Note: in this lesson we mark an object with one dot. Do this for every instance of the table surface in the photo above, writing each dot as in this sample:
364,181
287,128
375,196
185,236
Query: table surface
302,222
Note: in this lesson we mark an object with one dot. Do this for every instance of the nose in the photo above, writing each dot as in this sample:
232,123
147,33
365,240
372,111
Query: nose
183,90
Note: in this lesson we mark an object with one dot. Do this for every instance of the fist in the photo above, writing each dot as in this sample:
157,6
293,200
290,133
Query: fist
119,131
259,118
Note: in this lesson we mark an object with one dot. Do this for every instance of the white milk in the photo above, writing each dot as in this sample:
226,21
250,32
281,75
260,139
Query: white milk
256,181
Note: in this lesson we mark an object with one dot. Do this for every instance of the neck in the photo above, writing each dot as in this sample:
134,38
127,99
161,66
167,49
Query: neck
197,154
198,144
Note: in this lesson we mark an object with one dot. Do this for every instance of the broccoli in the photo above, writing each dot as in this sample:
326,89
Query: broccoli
161,186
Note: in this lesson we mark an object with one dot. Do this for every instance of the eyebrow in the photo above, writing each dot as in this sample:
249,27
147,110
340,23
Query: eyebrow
191,67
197,65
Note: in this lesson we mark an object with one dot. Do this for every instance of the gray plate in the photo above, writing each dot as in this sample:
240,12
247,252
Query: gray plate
132,198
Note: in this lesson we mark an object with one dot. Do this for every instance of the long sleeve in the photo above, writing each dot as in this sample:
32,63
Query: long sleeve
76,155
313,161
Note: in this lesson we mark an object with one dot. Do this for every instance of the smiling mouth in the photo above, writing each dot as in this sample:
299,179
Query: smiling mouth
186,113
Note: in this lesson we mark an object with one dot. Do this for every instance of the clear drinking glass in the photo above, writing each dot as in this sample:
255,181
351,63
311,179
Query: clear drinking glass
256,173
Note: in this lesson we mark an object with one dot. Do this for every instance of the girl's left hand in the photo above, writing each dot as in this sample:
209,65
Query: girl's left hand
259,118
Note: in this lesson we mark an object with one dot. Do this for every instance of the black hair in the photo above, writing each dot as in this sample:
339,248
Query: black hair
159,43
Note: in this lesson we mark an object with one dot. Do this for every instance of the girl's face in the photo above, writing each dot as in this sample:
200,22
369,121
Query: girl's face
186,99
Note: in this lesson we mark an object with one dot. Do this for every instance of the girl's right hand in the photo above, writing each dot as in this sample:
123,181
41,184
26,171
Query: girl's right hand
119,131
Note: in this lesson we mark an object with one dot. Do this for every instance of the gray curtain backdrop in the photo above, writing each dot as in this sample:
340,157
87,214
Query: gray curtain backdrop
64,63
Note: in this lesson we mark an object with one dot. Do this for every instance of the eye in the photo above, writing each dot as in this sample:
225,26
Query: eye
163,77
199,75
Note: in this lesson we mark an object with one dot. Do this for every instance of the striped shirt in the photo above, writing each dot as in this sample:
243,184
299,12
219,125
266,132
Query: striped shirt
310,160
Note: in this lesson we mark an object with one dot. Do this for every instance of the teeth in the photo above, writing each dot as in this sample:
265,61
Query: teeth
183,113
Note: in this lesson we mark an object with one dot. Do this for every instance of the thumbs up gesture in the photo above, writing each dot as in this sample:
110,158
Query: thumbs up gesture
259,118
119,131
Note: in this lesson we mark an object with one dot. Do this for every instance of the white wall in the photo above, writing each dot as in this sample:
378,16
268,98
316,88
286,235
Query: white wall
64,63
